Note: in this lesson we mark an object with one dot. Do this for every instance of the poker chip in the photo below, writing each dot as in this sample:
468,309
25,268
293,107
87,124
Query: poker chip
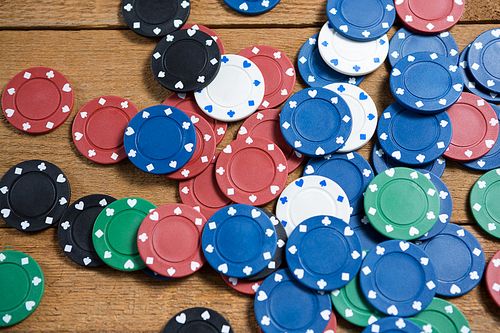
351,57
160,139
364,115
21,287
115,233
361,21
251,7
323,253
99,126
483,202
75,229
429,17
351,171
398,278
382,161
251,171
239,241
209,32
442,316
352,305
393,325
153,18
204,150
368,236
198,320
282,301
203,193
316,121
470,82
311,196
458,258
402,187
186,60
33,195
482,60
37,100
169,240
475,128
266,124
315,72
243,286
446,209
413,138
187,103
331,327
277,70
493,278
406,41
426,82
237,91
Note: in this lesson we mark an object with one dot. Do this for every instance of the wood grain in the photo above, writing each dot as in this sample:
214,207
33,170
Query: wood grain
88,42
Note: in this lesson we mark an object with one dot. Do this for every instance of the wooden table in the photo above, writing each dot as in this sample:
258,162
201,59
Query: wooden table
90,44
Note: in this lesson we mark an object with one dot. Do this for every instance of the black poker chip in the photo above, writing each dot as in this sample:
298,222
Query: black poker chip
33,195
155,18
198,320
186,60
75,229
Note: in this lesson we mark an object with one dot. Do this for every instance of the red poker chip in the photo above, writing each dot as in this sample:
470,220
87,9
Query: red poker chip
37,100
203,193
430,16
251,171
209,32
266,124
475,128
493,278
169,240
241,285
203,153
278,71
99,127
186,102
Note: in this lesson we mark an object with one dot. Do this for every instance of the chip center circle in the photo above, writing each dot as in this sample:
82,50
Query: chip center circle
32,195
122,231
14,286
491,201
316,120
38,99
469,125
402,202
272,73
79,227
407,130
155,11
314,256
185,59
490,59
362,13
352,51
240,239
175,239
427,80
252,170
430,10
105,128
231,87
159,138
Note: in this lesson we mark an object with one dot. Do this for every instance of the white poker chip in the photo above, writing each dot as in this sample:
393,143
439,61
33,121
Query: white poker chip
350,57
235,93
363,111
311,196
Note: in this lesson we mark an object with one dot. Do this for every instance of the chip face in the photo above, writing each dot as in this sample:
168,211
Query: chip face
444,316
493,278
483,202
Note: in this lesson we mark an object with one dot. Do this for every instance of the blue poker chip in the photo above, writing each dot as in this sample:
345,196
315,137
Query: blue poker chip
382,161
160,139
393,325
446,207
351,171
361,20
239,240
251,7
406,41
426,82
413,138
470,82
315,72
398,278
316,121
483,60
324,253
491,160
458,258
282,304
368,236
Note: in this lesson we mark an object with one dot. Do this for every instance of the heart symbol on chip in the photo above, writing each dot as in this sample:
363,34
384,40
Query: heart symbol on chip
9,112
80,205
173,164
290,72
495,33
189,147
274,189
299,273
228,149
181,319
5,213
261,296
195,265
390,172
191,32
489,143
392,310
243,6
309,170
178,23
255,213
222,268
468,153
154,217
242,130
246,64
404,246
348,231
131,202
30,305
396,154
312,93
78,136
66,88
414,231
60,178
252,198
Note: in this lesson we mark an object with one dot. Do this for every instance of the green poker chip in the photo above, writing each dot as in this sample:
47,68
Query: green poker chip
21,287
484,202
115,233
353,306
402,203
443,317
